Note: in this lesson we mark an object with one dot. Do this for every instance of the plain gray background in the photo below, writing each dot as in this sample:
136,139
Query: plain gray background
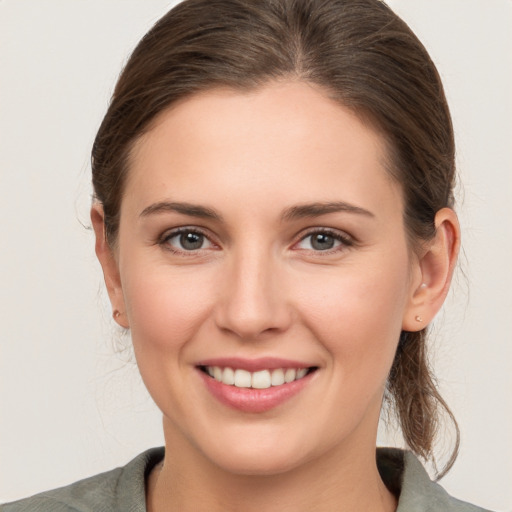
69,405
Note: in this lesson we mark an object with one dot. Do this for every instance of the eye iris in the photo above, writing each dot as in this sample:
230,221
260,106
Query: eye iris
322,242
191,241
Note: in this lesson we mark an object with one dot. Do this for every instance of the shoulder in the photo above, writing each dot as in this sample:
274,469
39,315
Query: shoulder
122,488
404,474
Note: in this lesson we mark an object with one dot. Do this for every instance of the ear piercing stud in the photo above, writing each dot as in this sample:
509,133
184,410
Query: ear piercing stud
418,318
116,314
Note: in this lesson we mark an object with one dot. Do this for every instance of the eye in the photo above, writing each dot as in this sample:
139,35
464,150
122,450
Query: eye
323,240
186,240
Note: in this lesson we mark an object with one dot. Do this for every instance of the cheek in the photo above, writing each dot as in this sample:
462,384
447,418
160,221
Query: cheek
357,316
164,307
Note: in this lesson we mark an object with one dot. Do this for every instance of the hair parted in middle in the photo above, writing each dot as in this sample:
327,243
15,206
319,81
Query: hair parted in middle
365,57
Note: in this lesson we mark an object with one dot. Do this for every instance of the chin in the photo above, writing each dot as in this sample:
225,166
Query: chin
259,464
251,457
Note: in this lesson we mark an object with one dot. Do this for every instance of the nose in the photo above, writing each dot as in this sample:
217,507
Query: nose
253,300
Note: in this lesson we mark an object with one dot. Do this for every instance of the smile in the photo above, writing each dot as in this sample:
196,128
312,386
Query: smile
262,379
255,385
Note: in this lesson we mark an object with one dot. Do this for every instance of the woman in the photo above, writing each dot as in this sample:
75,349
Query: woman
274,221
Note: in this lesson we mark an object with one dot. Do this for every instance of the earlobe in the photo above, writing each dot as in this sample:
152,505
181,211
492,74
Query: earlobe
436,266
109,266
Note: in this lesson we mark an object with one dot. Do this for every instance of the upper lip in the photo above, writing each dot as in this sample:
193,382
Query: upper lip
254,365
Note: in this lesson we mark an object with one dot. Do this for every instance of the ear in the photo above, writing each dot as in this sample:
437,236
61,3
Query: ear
434,271
109,265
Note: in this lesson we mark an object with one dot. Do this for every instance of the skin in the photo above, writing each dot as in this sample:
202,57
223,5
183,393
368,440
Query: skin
257,287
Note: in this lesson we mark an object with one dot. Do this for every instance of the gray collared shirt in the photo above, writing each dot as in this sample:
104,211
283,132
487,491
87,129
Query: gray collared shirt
123,489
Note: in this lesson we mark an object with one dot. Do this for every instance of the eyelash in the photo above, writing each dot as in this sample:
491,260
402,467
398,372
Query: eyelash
164,241
344,240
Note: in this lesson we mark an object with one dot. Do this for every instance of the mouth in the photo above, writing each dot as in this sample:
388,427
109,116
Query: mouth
255,385
261,379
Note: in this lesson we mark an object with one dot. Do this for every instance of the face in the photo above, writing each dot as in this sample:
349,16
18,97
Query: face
261,240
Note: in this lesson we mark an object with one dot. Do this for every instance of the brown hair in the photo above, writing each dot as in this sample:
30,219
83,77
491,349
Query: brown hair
358,50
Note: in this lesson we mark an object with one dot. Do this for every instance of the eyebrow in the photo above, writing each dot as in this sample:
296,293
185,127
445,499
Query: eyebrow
322,208
193,210
293,213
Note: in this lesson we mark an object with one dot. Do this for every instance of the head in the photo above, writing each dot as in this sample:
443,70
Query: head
356,55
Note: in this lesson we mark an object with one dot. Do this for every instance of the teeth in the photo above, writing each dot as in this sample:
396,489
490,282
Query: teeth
277,377
217,373
228,376
290,374
301,372
262,379
242,379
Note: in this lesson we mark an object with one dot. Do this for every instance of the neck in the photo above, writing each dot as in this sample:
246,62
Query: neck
347,481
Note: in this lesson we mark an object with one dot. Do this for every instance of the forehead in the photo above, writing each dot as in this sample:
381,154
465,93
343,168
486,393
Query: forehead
284,139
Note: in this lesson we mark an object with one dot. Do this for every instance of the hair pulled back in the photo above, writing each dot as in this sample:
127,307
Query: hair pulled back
366,58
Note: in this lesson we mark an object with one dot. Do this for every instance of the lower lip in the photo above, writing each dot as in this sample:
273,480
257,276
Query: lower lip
254,400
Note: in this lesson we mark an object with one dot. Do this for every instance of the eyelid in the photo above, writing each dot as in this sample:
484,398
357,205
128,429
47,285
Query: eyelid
171,233
346,241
